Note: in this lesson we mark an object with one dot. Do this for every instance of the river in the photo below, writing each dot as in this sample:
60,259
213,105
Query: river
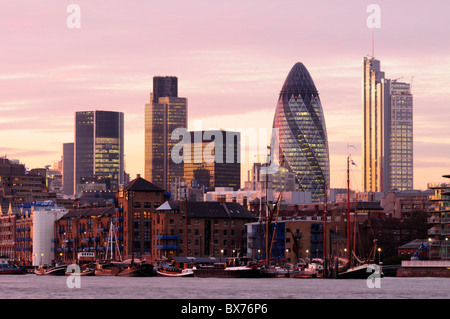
31,286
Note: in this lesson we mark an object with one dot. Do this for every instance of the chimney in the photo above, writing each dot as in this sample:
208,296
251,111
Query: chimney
244,202
138,175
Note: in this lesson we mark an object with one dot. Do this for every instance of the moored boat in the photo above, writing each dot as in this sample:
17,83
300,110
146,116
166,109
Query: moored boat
8,268
59,270
85,270
136,269
170,271
221,270
106,269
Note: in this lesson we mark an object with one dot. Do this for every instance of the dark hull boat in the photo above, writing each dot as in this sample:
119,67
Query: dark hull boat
51,271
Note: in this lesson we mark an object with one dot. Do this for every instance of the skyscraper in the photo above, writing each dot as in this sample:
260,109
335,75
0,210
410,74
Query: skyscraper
165,113
214,159
99,148
68,167
387,131
302,135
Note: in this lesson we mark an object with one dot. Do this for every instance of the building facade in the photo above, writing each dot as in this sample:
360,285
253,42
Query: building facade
387,131
139,200
302,136
439,219
201,229
164,114
99,148
212,159
19,185
89,230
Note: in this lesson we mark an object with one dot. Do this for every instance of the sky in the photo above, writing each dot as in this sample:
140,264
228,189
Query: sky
231,59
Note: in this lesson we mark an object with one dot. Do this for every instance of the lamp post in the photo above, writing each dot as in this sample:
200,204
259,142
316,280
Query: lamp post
379,255
446,248
429,248
221,255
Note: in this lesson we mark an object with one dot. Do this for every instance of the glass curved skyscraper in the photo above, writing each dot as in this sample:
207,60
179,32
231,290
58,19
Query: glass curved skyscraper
302,135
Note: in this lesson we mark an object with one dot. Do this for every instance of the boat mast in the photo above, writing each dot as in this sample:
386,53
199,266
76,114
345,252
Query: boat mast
348,211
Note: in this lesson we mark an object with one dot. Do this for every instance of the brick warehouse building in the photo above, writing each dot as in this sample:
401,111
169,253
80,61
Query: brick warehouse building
139,201
213,229
87,230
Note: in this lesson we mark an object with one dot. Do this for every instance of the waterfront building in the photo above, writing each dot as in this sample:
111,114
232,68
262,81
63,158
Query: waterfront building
139,200
8,218
387,131
212,159
164,114
99,148
302,134
294,240
44,215
201,229
439,219
96,230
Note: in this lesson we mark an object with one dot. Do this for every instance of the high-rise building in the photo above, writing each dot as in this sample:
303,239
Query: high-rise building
213,159
165,113
68,167
401,137
99,148
387,131
302,134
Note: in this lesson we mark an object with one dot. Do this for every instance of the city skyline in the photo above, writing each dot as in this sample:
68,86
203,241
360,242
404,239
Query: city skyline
51,71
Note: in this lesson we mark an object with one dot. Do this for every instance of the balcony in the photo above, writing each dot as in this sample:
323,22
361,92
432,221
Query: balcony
167,247
434,231
167,236
433,220
445,220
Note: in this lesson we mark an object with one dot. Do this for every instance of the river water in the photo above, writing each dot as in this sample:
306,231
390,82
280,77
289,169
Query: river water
31,286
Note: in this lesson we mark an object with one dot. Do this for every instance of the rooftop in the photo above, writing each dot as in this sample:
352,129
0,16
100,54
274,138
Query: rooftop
210,209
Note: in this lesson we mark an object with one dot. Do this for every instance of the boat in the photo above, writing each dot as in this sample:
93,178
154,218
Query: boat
221,270
57,270
171,271
8,268
355,267
85,270
133,268
106,269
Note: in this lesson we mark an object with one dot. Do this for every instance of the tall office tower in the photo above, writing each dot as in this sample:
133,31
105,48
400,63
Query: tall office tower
99,149
213,159
68,168
401,137
387,131
302,135
165,113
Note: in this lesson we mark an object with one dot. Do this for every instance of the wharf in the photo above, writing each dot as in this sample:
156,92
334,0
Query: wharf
424,268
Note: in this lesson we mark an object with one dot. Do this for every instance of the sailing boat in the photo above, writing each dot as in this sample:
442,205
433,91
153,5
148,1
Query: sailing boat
124,268
364,268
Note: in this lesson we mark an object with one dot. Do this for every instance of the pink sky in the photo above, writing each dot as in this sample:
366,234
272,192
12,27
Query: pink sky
231,59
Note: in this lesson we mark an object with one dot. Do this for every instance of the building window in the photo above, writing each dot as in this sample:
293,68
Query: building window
137,204
147,205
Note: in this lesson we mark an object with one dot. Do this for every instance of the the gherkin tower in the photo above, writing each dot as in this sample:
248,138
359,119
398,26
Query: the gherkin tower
302,134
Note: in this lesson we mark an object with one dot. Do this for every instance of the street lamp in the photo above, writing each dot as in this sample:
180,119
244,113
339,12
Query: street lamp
379,255
221,254
429,248
446,247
